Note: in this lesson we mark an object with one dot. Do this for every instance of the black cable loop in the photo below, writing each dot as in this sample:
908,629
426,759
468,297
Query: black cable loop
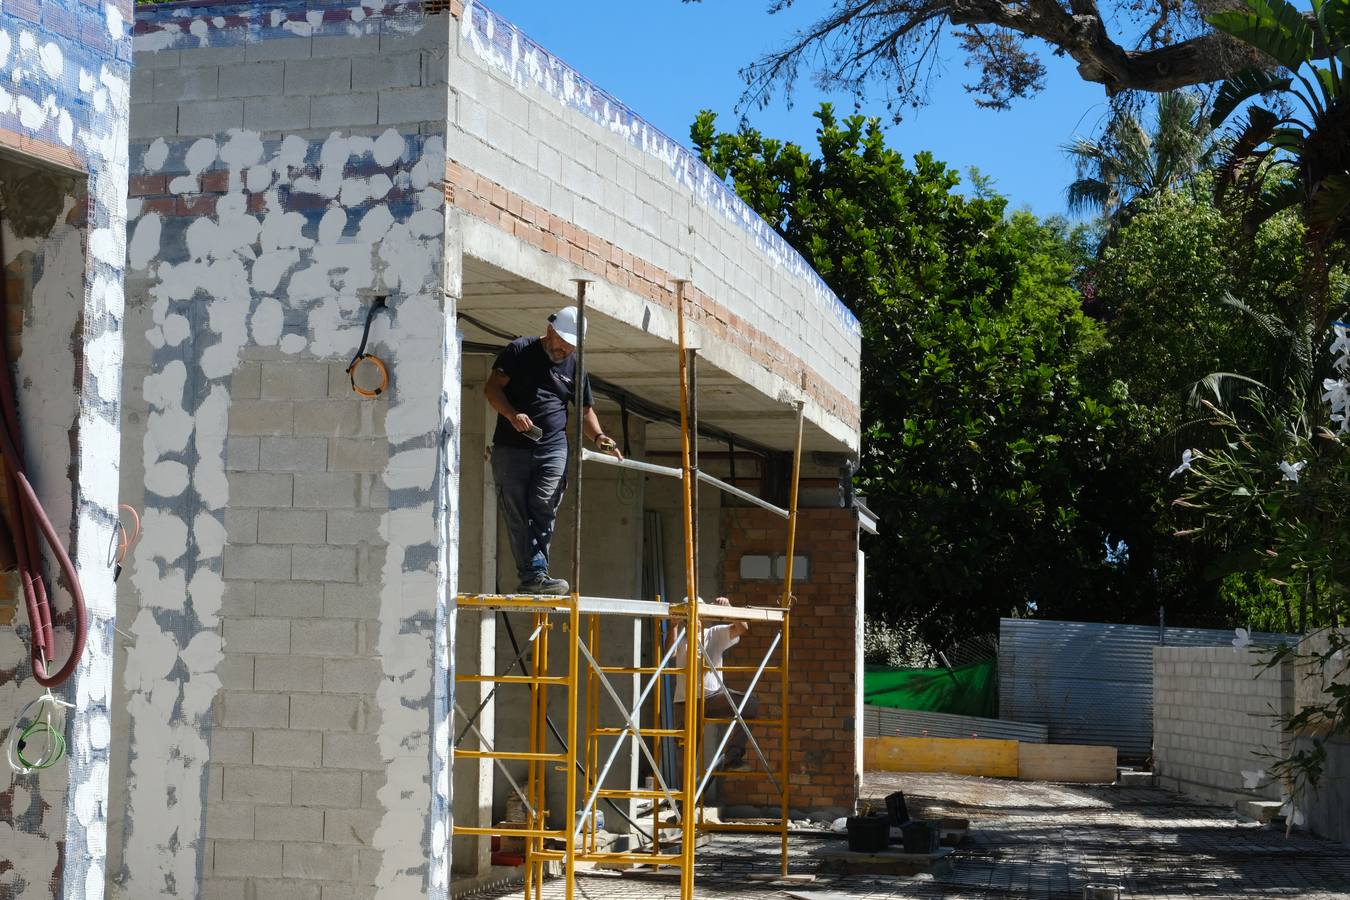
361,354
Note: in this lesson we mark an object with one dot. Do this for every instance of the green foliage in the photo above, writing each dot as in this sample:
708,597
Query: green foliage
980,423
1297,158
1161,289
895,646
1133,161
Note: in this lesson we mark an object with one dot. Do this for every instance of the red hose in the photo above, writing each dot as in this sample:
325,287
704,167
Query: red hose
25,513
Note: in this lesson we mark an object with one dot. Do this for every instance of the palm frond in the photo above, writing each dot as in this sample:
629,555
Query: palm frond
1334,15
1329,203
1275,27
1242,87
1089,195
1272,325
1261,123
1225,387
1286,194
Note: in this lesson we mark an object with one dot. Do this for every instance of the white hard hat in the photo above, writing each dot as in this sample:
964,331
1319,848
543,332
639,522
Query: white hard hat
564,321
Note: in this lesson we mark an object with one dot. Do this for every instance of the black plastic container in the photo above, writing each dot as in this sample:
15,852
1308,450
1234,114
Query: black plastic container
895,807
920,837
868,834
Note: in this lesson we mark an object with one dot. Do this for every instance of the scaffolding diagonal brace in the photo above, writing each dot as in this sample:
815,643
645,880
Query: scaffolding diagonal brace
488,699
520,792
736,711
634,729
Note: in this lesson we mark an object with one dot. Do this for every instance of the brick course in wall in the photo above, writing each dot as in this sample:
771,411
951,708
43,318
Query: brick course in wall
823,654
493,203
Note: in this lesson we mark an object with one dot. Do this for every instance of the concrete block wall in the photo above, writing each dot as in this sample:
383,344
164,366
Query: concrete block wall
289,645
562,166
1216,715
1327,808
824,763
64,67
294,749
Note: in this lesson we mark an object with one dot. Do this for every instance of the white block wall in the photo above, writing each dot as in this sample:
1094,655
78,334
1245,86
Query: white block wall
1216,713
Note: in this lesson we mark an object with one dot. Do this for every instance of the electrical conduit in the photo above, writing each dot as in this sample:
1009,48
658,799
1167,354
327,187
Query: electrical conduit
26,517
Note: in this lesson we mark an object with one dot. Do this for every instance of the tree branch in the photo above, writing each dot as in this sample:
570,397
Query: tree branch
864,41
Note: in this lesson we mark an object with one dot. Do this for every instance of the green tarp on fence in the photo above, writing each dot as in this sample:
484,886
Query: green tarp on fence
970,690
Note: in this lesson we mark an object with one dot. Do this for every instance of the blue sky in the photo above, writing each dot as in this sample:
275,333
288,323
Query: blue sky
667,60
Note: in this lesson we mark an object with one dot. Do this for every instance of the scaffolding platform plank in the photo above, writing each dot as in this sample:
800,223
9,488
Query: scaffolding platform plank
615,606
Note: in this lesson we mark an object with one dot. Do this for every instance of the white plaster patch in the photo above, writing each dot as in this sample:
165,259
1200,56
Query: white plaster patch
155,155
388,148
209,534
243,149
332,224
176,330
200,155
258,179
201,31
208,592
161,39
294,343
65,128
92,794
104,248
53,61
203,652
31,116
119,89
100,731
282,231
145,241
266,322
115,22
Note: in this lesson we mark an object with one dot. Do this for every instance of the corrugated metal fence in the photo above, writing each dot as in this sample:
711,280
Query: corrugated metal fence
1091,683
881,721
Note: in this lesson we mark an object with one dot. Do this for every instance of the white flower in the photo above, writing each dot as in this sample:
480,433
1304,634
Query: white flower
1291,470
1290,812
1337,392
1187,457
1340,345
1242,638
1252,780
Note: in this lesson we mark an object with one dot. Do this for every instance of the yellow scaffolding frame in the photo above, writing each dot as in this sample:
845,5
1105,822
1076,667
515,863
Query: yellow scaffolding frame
578,835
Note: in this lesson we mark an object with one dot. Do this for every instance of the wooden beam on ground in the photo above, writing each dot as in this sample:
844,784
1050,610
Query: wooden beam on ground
952,756
1080,764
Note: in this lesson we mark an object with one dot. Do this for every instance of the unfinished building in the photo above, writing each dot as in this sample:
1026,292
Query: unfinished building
281,709
64,96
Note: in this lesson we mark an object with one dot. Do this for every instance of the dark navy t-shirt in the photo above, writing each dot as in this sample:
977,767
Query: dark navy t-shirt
540,389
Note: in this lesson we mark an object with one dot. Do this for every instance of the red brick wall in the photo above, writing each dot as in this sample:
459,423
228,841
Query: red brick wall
823,660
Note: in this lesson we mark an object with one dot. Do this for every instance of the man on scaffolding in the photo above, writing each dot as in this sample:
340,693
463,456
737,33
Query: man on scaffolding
532,382
717,697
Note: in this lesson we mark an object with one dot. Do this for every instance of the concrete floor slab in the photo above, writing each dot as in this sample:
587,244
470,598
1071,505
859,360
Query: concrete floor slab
1032,839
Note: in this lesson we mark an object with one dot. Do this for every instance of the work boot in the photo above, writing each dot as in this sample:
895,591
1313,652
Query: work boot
541,583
